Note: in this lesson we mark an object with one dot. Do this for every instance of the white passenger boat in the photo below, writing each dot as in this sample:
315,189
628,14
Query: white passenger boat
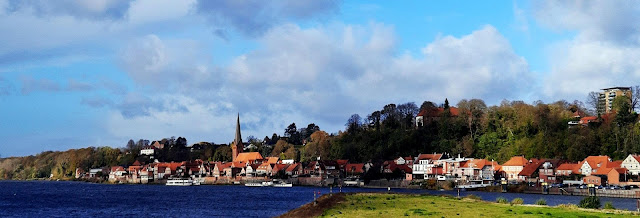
253,184
179,182
283,185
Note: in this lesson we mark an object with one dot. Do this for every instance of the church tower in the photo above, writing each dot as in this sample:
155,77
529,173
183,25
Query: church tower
237,146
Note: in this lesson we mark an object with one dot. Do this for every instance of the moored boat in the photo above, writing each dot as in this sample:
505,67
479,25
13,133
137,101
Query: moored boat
179,182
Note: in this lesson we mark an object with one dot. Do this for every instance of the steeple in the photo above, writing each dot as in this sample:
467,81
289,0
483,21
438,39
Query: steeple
237,146
238,140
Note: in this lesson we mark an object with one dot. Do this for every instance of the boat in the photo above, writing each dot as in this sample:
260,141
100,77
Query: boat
268,183
179,182
253,184
283,185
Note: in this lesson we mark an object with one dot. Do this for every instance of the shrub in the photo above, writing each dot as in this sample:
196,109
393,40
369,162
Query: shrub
474,197
502,200
541,201
517,201
592,202
568,206
609,205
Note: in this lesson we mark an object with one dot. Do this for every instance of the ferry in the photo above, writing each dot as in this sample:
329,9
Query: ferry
283,185
257,184
180,182
253,184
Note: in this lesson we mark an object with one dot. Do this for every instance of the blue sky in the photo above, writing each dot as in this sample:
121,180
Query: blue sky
78,73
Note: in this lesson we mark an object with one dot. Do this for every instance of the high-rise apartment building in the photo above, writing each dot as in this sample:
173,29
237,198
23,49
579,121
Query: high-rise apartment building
605,99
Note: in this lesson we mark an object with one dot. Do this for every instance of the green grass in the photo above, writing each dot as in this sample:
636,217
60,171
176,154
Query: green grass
401,205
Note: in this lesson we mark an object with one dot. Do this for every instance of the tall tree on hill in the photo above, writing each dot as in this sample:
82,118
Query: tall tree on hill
472,112
592,102
354,123
635,97
408,112
373,120
390,116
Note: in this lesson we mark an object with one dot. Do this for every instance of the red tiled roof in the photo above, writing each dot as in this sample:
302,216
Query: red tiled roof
529,169
342,162
479,163
292,167
436,112
516,161
567,166
593,161
614,164
429,157
249,156
637,157
136,163
272,160
354,168
586,120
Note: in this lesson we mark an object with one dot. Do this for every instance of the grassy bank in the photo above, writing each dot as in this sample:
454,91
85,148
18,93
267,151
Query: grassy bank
399,205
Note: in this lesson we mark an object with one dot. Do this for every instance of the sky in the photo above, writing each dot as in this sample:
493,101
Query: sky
79,73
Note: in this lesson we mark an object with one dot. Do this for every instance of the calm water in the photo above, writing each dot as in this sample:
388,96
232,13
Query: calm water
77,199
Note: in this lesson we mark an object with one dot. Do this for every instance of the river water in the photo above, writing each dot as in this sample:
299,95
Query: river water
79,199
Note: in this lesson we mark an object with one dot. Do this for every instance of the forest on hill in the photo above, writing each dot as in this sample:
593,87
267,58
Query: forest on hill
469,128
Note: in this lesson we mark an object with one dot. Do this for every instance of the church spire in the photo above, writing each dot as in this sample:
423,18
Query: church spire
237,146
238,140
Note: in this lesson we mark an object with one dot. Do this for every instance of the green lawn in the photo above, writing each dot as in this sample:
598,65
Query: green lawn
399,205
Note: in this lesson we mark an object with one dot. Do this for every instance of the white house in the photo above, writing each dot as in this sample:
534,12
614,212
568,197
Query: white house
632,163
147,151
424,164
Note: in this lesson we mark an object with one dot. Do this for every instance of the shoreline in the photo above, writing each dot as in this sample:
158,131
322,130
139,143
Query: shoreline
336,202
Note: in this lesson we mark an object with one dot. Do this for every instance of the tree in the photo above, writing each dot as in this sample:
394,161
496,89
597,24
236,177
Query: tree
354,123
408,112
280,147
622,106
592,101
131,145
290,130
373,119
427,105
635,97
223,153
472,112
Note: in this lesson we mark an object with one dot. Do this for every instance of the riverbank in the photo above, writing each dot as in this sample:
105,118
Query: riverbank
396,205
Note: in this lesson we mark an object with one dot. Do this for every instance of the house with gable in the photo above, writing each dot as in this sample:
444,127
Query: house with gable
547,170
294,170
591,164
513,167
117,174
568,169
632,163
529,172
354,170
427,166
433,114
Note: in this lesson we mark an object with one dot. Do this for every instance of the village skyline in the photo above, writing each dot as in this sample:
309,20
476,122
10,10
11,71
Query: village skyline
75,74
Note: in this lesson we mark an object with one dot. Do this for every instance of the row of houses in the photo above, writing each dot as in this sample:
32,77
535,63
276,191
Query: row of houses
599,170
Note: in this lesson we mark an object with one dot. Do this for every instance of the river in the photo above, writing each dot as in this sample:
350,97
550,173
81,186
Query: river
79,199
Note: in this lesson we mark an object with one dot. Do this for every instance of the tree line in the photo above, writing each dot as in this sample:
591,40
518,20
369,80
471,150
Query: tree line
470,128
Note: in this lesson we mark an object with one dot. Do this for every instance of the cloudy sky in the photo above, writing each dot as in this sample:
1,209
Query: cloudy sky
78,73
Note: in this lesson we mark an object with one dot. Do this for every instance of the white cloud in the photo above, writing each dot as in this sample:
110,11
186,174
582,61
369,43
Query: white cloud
319,75
603,53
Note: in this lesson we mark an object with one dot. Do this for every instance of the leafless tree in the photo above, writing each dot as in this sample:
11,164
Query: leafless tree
592,102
